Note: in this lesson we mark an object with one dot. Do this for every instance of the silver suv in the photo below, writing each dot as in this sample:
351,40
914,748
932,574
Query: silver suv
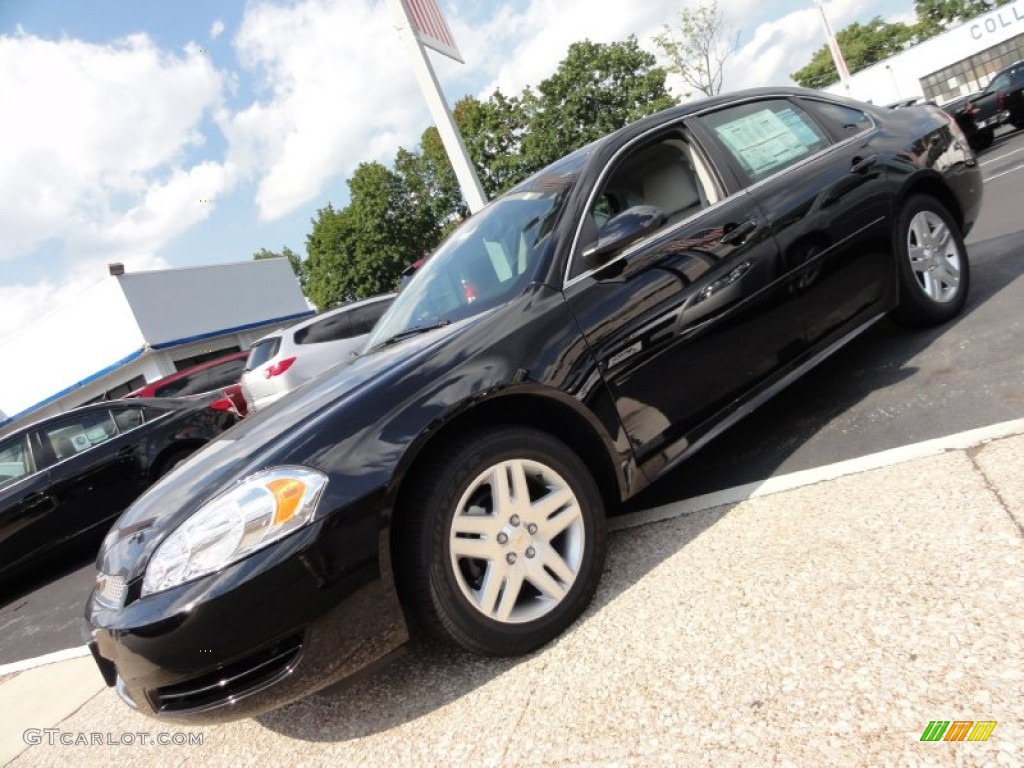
286,358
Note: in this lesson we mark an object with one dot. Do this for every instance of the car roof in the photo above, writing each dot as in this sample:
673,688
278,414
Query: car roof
188,372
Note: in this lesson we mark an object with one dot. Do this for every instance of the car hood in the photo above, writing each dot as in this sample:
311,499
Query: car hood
232,456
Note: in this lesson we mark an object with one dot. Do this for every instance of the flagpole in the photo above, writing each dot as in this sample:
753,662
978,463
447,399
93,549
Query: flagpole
833,46
466,174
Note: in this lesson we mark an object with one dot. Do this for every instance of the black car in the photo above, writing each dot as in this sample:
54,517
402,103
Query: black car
66,478
564,348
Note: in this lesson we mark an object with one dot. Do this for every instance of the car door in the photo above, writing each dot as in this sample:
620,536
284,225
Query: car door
690,318
813,170
25,504
97,471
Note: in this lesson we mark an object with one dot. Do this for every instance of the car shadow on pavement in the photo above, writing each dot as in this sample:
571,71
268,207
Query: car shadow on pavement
47,572
431,675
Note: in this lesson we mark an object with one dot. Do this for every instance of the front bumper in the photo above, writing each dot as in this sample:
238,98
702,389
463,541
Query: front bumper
259,634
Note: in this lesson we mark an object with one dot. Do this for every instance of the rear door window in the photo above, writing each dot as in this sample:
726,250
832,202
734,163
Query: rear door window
765,137
841,120
127,419
77,434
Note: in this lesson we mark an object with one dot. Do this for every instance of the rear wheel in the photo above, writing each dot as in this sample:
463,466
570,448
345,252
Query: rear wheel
505,541
982,140
933,267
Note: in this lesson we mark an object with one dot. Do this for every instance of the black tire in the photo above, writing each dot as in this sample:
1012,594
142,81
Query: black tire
448,592
982,140
928,295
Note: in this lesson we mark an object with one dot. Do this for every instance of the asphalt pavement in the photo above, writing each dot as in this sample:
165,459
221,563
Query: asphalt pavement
821,619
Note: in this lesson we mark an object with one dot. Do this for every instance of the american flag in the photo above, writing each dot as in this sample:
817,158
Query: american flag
430,27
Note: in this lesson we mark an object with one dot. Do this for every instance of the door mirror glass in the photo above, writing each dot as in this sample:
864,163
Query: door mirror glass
623,229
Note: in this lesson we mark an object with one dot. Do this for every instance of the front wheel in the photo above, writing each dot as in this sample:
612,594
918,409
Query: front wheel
504,541
933,269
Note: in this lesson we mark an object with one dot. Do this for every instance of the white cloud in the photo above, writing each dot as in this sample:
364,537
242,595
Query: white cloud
101,132
97,126
339,91
23,304
216,29
780,47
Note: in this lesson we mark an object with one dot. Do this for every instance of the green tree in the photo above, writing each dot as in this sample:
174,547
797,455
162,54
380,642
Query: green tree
361,250
697,48
862,45
935,16
396,216
597,88
493,131
293,259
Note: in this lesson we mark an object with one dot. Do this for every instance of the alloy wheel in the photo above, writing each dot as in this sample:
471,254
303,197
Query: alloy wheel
934,257
516,541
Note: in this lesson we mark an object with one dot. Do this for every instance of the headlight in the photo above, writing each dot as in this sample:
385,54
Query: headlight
260,510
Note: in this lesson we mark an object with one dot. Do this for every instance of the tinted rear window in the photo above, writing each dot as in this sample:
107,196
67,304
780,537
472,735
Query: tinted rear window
261,352
333,328
364,318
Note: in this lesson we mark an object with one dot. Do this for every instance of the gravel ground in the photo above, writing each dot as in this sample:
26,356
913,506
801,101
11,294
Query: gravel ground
824,626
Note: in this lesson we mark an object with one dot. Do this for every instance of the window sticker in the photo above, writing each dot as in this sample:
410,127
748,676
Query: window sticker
765,140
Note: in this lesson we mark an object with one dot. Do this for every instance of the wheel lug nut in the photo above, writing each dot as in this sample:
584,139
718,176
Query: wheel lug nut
532,528
530,552
510,558
514,520
503,538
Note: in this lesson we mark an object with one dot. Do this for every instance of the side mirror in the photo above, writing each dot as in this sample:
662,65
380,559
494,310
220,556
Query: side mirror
623,229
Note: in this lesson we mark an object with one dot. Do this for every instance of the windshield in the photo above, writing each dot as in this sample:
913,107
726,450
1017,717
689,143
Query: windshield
483,264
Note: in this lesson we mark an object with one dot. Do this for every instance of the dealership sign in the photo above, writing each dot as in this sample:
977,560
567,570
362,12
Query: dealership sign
1004,17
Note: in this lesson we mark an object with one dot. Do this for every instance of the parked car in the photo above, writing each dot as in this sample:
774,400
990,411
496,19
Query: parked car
232,400
67,477
1001,101
199,379
630,302
286,358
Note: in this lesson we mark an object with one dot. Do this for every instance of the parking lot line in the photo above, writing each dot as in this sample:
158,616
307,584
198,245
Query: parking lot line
1015,168
1001,157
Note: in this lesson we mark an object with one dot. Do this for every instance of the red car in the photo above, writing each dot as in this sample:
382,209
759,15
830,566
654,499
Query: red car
205,377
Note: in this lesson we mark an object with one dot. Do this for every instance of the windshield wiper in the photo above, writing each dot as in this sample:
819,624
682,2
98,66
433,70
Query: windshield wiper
416,330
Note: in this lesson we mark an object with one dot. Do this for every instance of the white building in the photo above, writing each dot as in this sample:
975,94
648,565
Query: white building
959,61
130,329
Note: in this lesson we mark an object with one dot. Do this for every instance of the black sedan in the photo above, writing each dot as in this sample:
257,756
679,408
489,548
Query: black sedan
564,348
68,477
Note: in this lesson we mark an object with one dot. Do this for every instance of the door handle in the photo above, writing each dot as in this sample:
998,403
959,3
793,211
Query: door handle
739,232
863,164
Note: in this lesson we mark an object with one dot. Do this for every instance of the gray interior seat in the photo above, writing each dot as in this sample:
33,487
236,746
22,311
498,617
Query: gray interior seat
673,189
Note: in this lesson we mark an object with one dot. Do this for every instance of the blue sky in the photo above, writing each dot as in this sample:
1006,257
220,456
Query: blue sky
121,116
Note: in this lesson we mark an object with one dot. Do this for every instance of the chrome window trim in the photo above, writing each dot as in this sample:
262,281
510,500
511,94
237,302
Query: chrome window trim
568,282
